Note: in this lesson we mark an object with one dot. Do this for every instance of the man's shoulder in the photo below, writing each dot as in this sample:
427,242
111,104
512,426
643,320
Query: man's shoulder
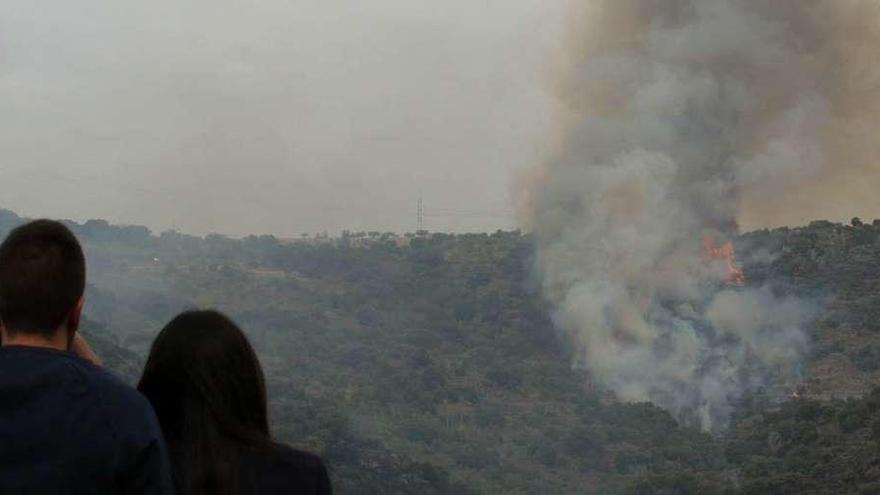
38,367
114,392
122,403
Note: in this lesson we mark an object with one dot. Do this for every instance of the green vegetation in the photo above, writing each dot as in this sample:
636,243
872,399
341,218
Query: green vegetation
806,446
429,364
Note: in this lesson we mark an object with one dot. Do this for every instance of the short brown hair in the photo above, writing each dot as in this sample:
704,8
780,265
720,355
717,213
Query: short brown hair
42,277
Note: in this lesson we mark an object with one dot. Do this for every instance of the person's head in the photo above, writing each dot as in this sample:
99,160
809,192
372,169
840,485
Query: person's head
206,385
42,281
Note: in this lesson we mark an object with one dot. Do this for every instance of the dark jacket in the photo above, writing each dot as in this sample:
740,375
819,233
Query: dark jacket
67,426
282,470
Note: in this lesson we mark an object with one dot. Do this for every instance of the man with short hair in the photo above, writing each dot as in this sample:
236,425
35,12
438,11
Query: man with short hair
66,425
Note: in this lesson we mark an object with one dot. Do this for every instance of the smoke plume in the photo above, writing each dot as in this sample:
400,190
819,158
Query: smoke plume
685,119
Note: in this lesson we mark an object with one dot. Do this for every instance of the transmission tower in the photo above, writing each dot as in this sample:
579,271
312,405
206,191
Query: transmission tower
420,215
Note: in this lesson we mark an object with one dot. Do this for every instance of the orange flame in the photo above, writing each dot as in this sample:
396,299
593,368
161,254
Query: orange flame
725,252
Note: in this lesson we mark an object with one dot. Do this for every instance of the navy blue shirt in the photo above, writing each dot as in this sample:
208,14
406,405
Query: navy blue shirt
67,426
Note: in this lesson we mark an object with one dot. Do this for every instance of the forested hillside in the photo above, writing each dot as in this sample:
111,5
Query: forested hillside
430,364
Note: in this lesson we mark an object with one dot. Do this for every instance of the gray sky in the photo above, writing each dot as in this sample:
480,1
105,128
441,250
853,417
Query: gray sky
275,116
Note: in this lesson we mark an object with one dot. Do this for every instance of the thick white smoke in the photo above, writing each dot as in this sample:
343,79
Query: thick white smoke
682,119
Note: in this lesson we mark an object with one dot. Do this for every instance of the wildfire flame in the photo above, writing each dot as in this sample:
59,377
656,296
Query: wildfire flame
726,253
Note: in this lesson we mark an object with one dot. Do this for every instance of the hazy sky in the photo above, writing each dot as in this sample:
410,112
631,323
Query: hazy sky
274,116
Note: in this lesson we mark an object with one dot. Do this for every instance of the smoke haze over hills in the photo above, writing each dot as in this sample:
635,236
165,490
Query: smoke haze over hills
303,116
278,117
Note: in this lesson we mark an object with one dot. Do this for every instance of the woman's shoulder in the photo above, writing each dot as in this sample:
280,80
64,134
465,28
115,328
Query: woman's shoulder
288,455
278,467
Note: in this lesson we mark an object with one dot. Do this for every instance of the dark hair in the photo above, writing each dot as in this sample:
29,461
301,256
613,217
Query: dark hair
42,277
205,383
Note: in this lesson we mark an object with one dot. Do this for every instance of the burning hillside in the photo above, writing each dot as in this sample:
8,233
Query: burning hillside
726,254
684,117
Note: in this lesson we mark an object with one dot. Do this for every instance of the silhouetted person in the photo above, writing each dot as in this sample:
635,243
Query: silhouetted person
206,385
66,425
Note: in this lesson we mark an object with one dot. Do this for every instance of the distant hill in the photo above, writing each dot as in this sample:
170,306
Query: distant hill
838,268
429,363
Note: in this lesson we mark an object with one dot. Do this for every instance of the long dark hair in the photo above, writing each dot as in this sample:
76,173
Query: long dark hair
204,380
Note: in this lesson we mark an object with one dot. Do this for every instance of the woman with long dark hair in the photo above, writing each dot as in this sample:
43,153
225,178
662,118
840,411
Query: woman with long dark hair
206,385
